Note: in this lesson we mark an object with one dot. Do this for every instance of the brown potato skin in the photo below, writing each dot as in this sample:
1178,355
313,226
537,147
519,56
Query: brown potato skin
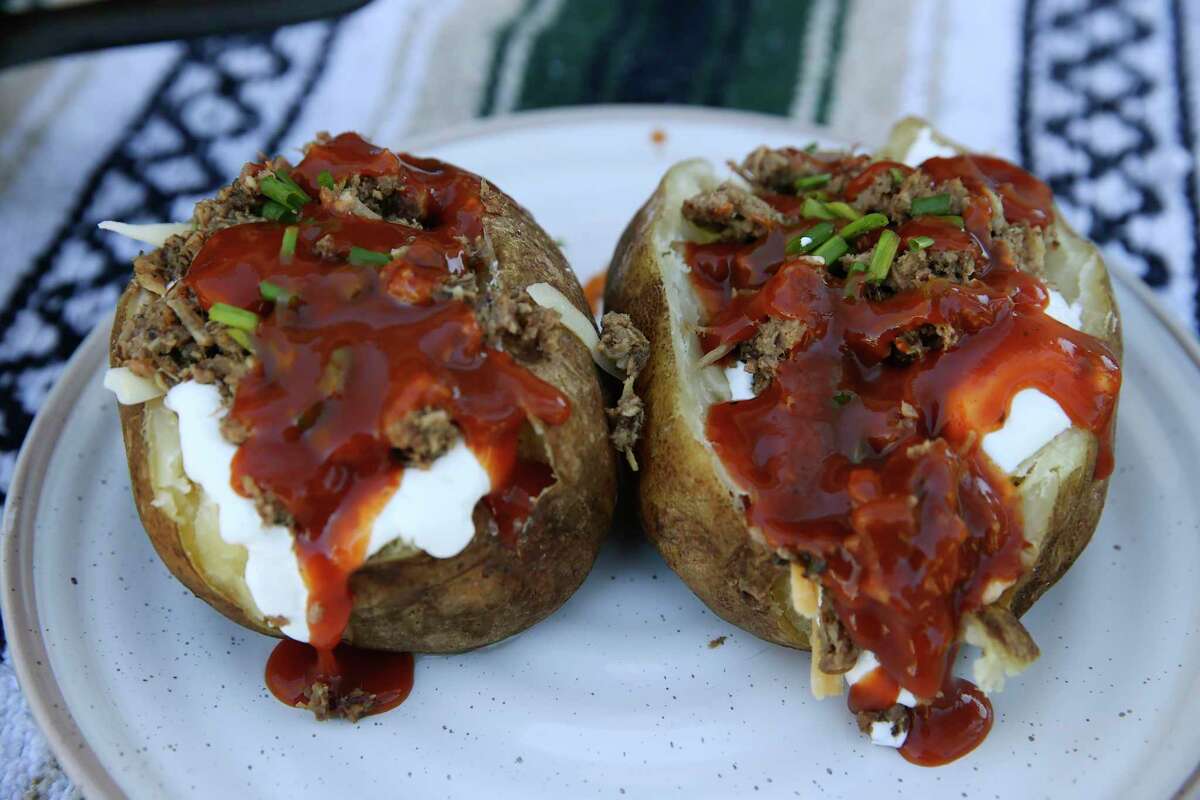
689,514
489,591
698,525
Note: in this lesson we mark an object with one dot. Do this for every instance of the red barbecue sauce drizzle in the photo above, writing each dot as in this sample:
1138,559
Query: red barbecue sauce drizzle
833,451
318,442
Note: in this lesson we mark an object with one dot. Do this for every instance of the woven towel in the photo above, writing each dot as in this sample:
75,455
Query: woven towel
1097,97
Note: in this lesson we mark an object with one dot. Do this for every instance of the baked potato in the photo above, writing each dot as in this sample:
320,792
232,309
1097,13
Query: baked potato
844,350
396,447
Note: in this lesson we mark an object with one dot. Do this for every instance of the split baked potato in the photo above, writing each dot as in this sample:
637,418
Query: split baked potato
692,507
403,599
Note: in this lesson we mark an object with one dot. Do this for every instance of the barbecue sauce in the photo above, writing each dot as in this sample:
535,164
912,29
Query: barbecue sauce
349,350
871,467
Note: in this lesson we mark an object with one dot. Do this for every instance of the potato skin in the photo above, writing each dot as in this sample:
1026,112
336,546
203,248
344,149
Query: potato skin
697,523
489,591
687,511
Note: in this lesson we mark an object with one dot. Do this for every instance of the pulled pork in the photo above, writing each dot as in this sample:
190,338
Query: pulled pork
325,704
897,716
768,348
628,349
732,213
420,436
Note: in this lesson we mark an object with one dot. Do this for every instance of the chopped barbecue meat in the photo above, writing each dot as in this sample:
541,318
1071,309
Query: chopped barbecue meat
897,716
776,170
421,436
623,344
914,267
462,286
1027,246
511,320
628,349
324,703
732,213
270,508
914,345
768,348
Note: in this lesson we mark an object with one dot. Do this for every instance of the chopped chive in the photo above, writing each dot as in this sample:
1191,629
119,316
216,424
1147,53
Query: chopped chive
953,219
288,247
934,204
919,243
843,210
241,337
286,177
815,209
233,316
854,279
812,181
362,257
326,179
278,212
811,147
284,192
863,224
834,248
882,256
897,175
810,240
273,292
841,398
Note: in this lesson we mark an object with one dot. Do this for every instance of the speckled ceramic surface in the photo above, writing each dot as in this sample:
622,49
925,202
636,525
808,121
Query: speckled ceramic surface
146,691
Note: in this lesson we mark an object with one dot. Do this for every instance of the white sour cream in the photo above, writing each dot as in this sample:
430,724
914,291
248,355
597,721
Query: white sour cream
272,572
1069,314
741,382
430,509
1034,419
866,664
881,734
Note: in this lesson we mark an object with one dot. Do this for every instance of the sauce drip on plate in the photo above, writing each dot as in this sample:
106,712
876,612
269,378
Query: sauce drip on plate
353,346
870,469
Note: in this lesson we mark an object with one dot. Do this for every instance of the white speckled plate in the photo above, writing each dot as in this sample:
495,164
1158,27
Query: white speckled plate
143,690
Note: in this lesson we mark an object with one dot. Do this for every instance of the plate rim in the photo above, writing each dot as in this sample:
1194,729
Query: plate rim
18,600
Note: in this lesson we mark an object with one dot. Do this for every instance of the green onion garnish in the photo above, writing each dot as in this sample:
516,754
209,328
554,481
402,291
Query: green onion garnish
278,212
863,224
242,338
953,219
897,175
815,209
833,249
811,147
283,191
810,240
273,292
233,316
919,243
854,279
936,204
362,257
843,210
841,398
882,256
288,247
326,179
812,181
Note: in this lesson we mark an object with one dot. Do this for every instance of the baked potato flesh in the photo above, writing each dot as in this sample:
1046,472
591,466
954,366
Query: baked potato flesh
837,343
425,444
